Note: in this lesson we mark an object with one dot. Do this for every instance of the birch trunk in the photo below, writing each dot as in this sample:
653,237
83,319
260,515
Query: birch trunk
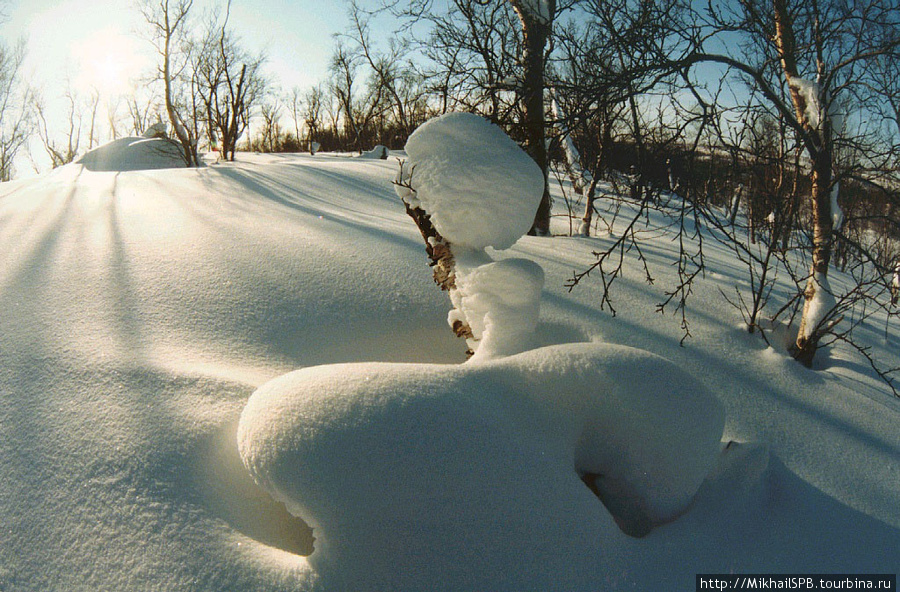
818,143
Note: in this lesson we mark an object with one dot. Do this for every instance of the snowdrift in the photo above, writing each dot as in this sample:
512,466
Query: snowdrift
430,476
134,154
139,309
466,477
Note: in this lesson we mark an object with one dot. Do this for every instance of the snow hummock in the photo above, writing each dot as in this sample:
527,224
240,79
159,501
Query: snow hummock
479,187
380,152
500,301
158,130
480,190
440,477
393,465
134,154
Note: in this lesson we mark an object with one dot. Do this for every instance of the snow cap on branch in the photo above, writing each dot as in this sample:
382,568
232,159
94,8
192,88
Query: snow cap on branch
480,189
809,90
539,10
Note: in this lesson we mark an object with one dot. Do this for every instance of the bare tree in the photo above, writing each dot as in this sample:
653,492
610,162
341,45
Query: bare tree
470,51
295,107
15,108
144,109
313,103
822,51
65,151
113,117
359,110
386,68
229,81
270,133
93,105
168,24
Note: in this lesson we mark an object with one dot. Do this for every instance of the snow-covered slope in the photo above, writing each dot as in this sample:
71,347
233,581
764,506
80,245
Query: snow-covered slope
140,309
134,154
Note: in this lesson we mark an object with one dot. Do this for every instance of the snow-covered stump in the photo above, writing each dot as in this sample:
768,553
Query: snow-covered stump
468,187
472,476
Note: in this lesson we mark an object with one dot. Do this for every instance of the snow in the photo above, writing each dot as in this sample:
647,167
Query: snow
500,301
158,130
379,152
573,156
479,187
538,9
134,154
837,214
402,465
820,306
810,91
141,309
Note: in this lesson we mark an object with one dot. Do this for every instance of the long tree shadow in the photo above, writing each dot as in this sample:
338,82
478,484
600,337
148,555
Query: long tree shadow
288,196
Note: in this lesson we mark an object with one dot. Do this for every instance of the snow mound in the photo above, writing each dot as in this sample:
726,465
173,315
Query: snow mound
449,471
479,187
158,130
134,154
379,152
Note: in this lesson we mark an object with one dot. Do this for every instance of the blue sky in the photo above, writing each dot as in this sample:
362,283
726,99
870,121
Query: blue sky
97,41
84,45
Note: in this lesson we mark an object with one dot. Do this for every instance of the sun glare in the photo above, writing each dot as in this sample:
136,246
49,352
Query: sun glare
107,74
106,63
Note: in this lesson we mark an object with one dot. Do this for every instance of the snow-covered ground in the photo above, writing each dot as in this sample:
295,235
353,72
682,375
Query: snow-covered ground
140,309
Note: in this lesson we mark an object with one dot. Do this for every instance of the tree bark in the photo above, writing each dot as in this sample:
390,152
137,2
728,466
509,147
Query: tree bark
820,149
438,248
535,33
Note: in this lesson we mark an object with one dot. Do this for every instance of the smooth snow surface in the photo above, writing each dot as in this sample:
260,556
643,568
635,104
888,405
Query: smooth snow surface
436,477
139,310
479,187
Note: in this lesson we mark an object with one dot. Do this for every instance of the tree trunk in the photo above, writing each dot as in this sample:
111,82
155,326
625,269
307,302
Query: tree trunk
535,32
818,143
807,338
588,217
174,119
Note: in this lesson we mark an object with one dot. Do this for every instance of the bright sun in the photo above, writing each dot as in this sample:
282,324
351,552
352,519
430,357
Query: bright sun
106,63
107,74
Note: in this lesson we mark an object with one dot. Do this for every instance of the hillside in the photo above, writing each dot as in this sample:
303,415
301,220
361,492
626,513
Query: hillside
140,309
